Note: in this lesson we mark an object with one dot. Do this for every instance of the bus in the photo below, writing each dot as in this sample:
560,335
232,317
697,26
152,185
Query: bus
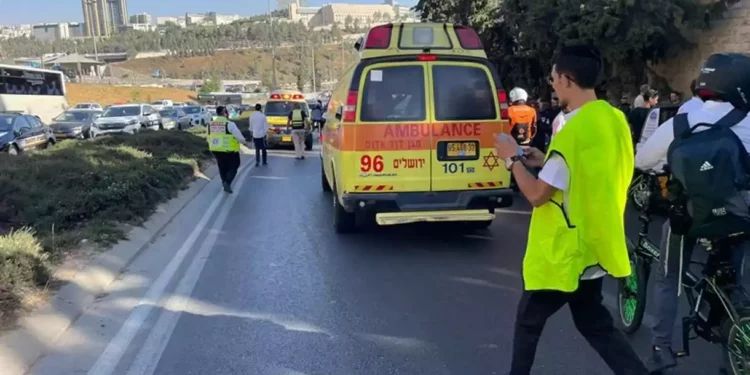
220,98
33,91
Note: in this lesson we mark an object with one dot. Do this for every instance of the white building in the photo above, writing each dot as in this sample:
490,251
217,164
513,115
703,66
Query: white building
136,27
363,14
77,29
50,32
141,18
164,21
211,18
302,14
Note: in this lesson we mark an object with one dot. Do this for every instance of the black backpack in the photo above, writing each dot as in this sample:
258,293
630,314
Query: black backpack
710,170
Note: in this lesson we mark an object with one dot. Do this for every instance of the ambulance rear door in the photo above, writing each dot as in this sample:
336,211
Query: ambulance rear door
465,119
391,139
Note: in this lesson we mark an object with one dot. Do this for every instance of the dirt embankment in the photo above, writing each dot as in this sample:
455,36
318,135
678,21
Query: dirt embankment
106,94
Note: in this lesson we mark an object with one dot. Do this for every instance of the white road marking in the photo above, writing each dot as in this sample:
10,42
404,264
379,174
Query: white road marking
515,212
148,357
110,358
269,177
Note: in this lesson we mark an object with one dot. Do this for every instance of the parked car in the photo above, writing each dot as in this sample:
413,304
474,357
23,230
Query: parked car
20,133
88,106
75,123
161,104
174,117
127,118
198,115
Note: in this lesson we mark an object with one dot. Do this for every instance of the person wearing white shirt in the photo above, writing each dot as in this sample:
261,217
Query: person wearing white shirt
694,103
652,155
259,127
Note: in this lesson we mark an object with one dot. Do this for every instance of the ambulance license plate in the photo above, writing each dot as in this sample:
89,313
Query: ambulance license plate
461,149
286,139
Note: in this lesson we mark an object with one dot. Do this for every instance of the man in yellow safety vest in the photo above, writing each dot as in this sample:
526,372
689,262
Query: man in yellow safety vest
224,139
298,120
577,232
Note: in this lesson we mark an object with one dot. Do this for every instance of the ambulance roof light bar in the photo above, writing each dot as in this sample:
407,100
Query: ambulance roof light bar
379,37
468,37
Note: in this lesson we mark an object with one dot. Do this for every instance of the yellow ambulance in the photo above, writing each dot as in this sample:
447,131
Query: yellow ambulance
280,103
410,129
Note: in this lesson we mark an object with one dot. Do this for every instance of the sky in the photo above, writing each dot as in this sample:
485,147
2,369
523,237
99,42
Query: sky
16,12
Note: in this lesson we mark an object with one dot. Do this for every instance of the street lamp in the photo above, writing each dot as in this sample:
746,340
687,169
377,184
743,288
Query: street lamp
98,30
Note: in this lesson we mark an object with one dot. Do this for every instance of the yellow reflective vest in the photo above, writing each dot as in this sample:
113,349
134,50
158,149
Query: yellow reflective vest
298,122
564,241
219,137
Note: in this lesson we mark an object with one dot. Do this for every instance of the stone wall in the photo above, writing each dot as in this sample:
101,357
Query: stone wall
730,34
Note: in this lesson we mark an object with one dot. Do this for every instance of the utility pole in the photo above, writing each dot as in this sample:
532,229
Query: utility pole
273,45
312,53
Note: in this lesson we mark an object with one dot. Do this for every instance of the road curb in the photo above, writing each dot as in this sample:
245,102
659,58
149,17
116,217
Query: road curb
22,347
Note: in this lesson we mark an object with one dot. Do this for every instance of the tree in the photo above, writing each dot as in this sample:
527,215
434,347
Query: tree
211,85
348,23
521,36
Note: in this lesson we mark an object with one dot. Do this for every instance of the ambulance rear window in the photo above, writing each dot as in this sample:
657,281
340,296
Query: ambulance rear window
463,93
393,94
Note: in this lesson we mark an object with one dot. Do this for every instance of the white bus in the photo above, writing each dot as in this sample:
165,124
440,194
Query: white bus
38,92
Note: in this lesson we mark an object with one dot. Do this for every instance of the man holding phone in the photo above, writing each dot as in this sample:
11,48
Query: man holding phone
577,231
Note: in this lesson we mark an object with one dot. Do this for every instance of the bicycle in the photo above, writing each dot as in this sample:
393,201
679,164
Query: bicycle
713,316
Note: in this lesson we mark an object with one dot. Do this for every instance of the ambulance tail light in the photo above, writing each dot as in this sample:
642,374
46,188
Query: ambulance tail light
426,57
298,96
468,37
350,109
379,37
275,96
502,97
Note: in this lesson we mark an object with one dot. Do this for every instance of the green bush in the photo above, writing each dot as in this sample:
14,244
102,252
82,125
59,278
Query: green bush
84,190
22,266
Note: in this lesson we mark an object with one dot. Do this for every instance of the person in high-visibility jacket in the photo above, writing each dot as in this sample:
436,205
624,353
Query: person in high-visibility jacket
577,231
224,139
522,117
299,120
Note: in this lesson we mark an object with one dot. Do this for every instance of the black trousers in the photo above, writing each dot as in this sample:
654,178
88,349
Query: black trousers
229,163
591,318
260,147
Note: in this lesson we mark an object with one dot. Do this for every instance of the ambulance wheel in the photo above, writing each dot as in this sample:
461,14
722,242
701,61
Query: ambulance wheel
324,181
343,222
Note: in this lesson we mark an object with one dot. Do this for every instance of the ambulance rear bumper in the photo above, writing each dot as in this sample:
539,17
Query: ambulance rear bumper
428,201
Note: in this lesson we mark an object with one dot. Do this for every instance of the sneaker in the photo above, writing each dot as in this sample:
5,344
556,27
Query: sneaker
302,157
257,165
264,163
662,358
227,188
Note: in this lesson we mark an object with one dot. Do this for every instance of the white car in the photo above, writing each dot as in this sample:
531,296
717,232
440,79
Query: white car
199,116
161,104
127,118
88,106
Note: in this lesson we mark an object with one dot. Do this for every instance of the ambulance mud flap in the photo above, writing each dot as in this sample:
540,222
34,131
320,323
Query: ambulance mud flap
397,218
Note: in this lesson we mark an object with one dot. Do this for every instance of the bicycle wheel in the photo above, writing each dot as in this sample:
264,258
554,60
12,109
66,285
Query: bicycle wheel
631,295
737,348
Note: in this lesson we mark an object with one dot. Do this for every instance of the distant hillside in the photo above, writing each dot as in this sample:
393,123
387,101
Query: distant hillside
105,94
292,64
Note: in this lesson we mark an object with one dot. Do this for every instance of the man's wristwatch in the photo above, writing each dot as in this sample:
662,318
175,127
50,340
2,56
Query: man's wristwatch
510,161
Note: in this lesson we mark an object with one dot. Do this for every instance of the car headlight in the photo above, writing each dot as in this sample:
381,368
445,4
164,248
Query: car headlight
132,122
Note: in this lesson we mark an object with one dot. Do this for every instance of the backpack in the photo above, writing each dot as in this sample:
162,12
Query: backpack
710,170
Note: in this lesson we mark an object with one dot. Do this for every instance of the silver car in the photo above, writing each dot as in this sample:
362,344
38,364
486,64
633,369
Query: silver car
127,118
75,123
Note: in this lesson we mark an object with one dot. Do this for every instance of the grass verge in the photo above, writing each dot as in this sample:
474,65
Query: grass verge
53,200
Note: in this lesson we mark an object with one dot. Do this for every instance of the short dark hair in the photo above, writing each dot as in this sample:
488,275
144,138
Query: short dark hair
221,110
693,88
258,107
583,63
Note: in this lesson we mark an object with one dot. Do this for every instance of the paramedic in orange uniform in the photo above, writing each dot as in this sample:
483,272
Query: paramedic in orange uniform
522,117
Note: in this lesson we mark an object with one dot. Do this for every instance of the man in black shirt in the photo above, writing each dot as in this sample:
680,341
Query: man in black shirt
637,116
544,125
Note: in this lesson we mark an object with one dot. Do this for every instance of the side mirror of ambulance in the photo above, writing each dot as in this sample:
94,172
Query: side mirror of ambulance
358,43
338,114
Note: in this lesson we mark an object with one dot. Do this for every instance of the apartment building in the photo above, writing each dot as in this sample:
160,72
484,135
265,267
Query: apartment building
364,14
284,4
50,32
141,18
97,18
164,21
302,14
118,12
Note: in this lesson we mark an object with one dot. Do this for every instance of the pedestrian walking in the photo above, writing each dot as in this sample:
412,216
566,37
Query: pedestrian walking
577,231
298,120
224,139
259,127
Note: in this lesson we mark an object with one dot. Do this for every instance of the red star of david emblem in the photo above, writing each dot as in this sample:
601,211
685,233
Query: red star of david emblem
490,161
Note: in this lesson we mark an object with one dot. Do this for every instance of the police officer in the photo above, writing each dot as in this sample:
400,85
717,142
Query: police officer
224,140
298,120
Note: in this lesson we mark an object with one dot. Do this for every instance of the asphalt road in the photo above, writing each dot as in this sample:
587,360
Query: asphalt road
260,284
